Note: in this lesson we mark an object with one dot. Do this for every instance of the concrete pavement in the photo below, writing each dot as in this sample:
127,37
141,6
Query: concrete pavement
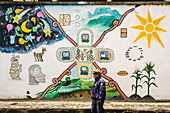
81,106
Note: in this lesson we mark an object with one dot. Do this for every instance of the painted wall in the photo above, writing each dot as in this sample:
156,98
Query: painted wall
41,45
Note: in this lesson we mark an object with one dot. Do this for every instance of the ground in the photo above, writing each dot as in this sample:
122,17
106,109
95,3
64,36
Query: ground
64,106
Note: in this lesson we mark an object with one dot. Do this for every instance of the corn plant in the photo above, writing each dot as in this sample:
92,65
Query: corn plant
137,77
148,69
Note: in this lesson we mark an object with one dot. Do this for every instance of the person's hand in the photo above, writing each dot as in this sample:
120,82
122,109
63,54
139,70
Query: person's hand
100,101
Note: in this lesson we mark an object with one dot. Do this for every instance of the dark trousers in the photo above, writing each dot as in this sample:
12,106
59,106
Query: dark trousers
97,107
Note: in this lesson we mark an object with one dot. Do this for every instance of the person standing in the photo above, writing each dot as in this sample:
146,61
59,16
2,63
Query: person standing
99,93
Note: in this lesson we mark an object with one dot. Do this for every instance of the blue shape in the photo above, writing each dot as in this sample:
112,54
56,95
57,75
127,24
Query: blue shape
12,39
66,55
30,37
104,55
84,70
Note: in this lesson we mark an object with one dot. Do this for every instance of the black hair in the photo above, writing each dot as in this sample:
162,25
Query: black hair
97,73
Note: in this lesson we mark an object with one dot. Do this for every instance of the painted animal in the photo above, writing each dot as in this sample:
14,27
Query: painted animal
38,56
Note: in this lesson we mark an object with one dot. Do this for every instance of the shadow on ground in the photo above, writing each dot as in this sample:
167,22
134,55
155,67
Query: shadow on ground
72,111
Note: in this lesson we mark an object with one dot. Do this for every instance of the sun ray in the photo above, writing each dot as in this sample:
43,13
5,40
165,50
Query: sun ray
157,21
149,19
141,35
149,36
141,19
139,27
159,29
155,34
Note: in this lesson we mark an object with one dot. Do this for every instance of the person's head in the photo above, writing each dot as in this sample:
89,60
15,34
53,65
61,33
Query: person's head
96,73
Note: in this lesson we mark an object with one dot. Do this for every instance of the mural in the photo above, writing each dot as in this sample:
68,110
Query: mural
36,75
149,28
25,28
28,30
84,57
15,68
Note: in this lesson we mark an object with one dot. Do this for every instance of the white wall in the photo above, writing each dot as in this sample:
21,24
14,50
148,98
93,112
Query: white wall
53,68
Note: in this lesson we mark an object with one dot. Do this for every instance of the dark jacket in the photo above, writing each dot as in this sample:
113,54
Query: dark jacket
99,89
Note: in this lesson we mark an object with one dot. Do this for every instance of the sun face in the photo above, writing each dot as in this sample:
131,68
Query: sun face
149,29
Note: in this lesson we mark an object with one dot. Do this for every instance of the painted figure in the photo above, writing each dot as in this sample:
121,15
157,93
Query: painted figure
38,56
98,93
15,67
35,75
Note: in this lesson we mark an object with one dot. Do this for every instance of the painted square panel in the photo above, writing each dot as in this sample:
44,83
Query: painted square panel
84,70
84,54
65,54
104,55
85,37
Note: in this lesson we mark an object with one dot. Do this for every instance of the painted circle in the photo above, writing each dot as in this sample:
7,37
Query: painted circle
149,27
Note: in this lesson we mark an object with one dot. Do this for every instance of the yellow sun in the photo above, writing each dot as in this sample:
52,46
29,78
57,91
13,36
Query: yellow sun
149,29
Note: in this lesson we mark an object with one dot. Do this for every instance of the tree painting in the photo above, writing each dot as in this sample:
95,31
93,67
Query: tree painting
148,69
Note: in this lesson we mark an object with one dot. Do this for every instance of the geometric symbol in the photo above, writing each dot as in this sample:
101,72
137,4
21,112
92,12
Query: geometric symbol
122,73
85,38
65,19
84,54
104,55
134,53
123,32
84,70
65,54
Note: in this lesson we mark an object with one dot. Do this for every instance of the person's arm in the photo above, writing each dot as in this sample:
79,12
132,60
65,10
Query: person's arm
102,91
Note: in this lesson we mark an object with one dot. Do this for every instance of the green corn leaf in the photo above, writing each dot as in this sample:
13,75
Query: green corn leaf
133,86
144,76
154,72
134,76
146,82
139,86
152,78
153,84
